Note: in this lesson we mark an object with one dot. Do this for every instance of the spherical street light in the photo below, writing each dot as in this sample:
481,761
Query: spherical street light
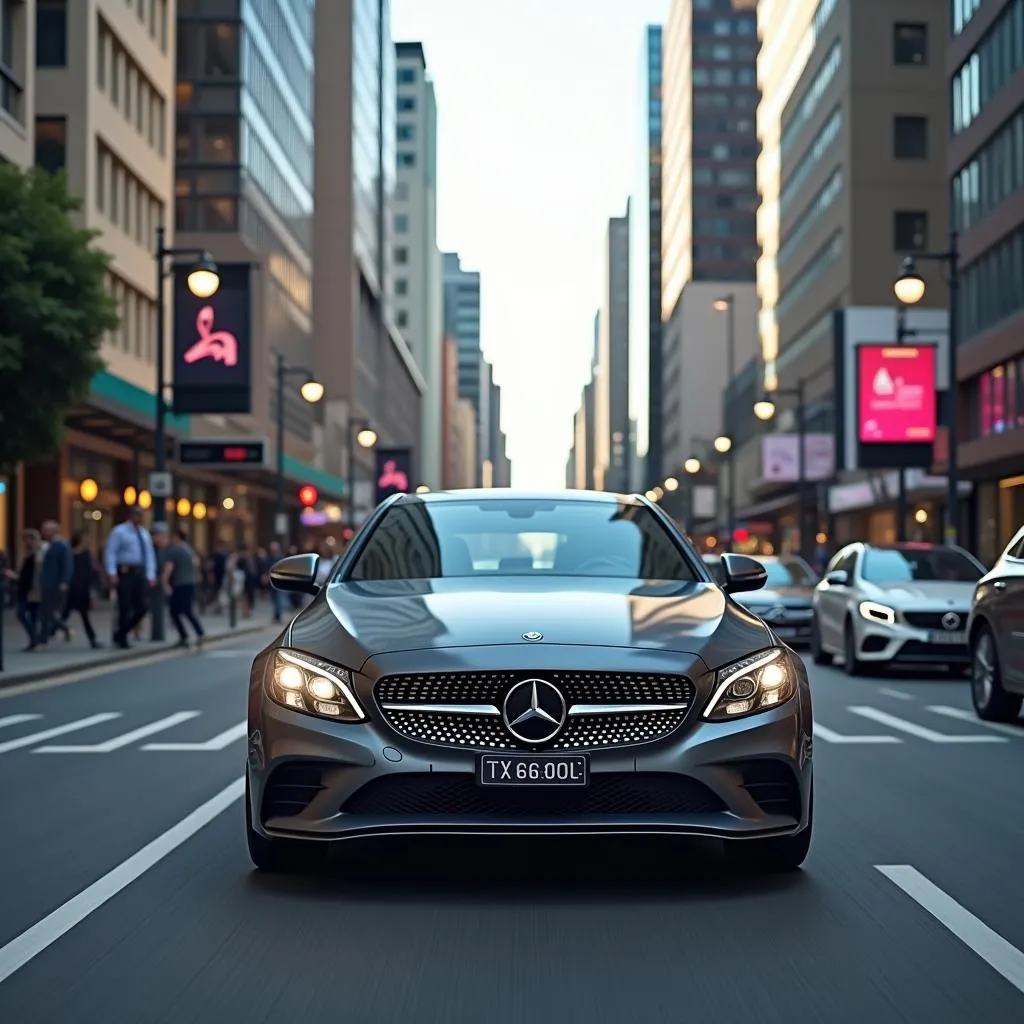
366,438
764,409
88,489
692,465
723,444
671,484
721,305
312,391
423,489
909,286
203,278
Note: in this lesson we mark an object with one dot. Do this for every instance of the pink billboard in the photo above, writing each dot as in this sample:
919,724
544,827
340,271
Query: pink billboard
896,400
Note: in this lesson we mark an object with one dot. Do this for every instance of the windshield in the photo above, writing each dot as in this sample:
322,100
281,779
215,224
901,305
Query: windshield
520,537
896,565
789,573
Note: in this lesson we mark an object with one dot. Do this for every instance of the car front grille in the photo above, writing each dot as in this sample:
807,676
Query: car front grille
605,709
933,620
454,795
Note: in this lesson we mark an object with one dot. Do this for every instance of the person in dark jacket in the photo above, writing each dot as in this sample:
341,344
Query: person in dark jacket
54,581
84,575
27,591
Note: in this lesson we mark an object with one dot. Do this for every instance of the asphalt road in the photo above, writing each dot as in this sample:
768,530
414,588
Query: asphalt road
126,894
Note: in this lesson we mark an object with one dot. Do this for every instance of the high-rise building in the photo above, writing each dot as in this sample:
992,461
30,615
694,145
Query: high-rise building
462,322
986,162
17,79
611,377
418,267
367,367
645,370
709,145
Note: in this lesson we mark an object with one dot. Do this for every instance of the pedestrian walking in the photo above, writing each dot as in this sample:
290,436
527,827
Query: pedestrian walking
54,581
180,577
83,579
130,564
27,590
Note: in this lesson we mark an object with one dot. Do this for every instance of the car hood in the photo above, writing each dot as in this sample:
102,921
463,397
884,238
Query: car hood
927,594
351,622
776,595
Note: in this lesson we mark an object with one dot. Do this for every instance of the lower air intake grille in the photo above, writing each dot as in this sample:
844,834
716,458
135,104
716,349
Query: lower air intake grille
773,787
291,789
455,795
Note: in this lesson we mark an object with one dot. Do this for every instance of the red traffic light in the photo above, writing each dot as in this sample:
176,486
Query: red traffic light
308,495
741,535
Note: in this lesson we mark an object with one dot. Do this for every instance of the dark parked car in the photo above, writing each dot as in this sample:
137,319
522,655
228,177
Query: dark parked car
500,662
785,601
995,630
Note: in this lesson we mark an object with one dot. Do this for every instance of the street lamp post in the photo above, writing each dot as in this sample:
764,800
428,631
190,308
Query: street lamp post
764,410
358,432
203,282
910,288
727,305
312,391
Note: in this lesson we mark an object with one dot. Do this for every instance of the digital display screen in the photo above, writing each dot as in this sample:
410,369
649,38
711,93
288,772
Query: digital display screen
219,453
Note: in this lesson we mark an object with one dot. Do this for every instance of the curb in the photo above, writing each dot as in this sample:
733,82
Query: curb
113,660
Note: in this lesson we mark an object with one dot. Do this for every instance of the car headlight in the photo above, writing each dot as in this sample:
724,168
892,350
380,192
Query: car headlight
758,683
874,612
304,683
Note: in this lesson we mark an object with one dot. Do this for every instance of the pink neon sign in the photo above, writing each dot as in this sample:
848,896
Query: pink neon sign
392,477
221,346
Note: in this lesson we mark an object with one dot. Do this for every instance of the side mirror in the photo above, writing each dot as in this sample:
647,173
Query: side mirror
742,574
837,578
295,574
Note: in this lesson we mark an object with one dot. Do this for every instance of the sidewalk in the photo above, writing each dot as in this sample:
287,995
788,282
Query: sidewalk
59,657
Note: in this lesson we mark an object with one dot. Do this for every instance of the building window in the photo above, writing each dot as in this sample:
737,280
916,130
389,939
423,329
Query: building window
406,76
406,159
401,223
910,230
219,140
401,255
406,104
402,318
910,137
910,43
51,143
51,33
406,132
221,56
401,286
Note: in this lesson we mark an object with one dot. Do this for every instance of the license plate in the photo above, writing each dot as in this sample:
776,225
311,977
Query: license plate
533,770
948,639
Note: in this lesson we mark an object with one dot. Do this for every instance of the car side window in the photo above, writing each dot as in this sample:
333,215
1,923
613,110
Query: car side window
833,565
1016,548
847,563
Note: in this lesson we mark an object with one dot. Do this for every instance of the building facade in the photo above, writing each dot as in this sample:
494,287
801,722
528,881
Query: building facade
613,360
17,81
367,368
986,171
419,274
709,145
645,371
462,322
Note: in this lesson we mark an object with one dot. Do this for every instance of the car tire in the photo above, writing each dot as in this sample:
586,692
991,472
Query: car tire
851,663
818,655
991,702
280,856
776,855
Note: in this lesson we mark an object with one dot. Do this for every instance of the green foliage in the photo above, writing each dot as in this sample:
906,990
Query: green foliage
54,312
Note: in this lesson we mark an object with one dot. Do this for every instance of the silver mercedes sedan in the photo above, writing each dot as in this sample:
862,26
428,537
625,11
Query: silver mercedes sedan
905,604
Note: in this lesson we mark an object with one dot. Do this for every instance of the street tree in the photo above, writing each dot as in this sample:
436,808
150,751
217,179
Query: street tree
54,312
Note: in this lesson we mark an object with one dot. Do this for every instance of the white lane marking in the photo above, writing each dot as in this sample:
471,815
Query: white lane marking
834,737
900,725
898,694
126,738
962,715
219,742
44,933
1002,957
59,730
17,719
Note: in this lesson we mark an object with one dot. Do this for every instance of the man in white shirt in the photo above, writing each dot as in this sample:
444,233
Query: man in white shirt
130,564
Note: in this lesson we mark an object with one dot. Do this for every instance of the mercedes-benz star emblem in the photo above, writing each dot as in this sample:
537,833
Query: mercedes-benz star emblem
533,636
534,711
951,621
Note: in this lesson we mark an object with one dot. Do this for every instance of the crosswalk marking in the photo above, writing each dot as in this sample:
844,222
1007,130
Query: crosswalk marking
60,730
219,742
17,719
898,694
834,737
967,716
901,725
126,739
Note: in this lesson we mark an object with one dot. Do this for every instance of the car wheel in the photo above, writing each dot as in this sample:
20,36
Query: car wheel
818,656
280,856
991,702
853,665
775,855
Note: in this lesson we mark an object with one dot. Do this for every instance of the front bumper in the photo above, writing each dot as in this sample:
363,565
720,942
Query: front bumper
900,644
315,779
